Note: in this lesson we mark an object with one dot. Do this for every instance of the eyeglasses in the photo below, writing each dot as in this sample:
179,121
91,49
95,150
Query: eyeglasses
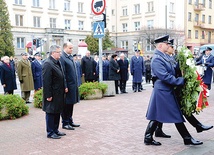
57,52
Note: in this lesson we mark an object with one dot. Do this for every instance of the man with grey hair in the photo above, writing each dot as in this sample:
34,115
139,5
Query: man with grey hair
53,92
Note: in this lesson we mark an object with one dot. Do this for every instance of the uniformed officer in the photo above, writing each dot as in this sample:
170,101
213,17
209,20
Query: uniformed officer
163,106
207,61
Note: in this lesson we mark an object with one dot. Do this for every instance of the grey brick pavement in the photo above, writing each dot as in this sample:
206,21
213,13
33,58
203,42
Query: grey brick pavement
109,126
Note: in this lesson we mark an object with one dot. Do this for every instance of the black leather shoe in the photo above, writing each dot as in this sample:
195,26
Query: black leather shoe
192,141
28,102
68,127
139,90
61,134
159,133
153,142
135,91
201,128
54,136
75,125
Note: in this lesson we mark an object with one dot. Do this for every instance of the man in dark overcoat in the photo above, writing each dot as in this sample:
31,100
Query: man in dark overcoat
114,71
88,67
207,60
53,92
163,106
37,71
72,96
124,65
8,76
137,70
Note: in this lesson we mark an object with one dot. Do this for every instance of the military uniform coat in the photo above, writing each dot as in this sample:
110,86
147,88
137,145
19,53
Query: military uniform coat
37,74
8,77
105,69
69,67
25,73
53,86
124,65
163,106
207,78
113,67
137,68
79,73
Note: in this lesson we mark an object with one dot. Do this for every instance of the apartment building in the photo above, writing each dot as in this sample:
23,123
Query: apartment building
132,23
199,29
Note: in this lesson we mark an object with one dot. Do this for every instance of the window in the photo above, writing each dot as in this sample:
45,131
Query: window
125,27
81,25
203,35
124,44
149,46
189,16
150,24
137,26
171,7
80,7
113,28
125,11
19,20
196,17
189,34
67,24
20,42
210,4
52,4
113,12
196,34
36,21
171,24
190,2
137,9
203,18
36,3
19,2
150,6
66,5
209,36
196,2
203,3
52,22
209,20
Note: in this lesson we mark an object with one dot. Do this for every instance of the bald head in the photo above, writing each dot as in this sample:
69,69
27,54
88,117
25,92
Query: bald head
68,47
87,53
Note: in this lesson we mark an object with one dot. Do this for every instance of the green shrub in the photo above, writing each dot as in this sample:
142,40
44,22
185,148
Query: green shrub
12,107
38,99
88,88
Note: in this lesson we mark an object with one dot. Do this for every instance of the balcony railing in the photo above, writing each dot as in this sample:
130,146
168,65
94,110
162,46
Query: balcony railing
54,30
199,7
197,24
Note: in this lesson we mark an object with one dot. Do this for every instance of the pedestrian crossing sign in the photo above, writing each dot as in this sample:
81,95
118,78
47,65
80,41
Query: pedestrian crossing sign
98,29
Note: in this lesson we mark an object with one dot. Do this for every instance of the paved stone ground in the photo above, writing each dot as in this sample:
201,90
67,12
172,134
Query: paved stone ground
109,126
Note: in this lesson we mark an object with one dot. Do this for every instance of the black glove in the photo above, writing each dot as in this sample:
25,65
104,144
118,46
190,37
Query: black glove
21,81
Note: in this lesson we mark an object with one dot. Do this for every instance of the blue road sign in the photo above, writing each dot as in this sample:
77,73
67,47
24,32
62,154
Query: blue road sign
98,29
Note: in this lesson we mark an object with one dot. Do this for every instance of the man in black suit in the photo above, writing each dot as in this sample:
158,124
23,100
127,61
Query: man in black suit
72,96
53,92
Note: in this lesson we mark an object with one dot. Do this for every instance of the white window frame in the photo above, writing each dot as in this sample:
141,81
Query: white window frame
52,22
36,21
150,6
113,12
209,19
171,24
67,5
203,18
67,24
137,26
19,19
36,3
210,4
189,34
80,7
125,27
189,16
20,42
171,7
150,24
18,2
196,34
113,28
52,4
125,11
137,9
124,44
80,25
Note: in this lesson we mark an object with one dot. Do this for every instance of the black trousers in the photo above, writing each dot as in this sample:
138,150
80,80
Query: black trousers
137,86
116,86
67,114
8,92
122,85
52,123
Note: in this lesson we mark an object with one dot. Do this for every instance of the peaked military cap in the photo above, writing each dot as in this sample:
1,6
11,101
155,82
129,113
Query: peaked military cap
208,49
24,54
74,55
37,54
171,42
163,39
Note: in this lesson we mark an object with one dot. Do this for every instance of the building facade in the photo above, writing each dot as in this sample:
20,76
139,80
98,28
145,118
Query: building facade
132,23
